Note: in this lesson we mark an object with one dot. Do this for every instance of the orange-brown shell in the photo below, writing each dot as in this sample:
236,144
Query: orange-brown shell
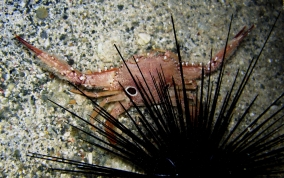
148,64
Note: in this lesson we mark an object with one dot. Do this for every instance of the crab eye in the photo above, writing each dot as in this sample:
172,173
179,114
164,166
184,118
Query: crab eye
131,91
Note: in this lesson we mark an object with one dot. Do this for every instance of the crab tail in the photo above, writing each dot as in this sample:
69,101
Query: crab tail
216,61
63,70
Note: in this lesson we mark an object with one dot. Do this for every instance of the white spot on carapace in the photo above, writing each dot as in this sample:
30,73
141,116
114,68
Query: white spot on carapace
83,77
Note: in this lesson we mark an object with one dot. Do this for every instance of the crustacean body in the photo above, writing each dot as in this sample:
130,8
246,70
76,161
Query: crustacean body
110,81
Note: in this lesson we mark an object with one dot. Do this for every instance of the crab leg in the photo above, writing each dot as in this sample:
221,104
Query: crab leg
115,112
115,98
63,70
96,94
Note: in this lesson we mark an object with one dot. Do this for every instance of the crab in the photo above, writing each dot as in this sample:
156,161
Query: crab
110,82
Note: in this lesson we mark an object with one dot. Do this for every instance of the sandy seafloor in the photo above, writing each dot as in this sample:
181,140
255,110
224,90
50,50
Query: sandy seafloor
83,33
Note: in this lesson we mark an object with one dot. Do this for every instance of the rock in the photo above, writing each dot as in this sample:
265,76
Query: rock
143,39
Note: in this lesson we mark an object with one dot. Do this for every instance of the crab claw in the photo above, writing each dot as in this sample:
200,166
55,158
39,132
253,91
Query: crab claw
63,70
53,64
216,61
